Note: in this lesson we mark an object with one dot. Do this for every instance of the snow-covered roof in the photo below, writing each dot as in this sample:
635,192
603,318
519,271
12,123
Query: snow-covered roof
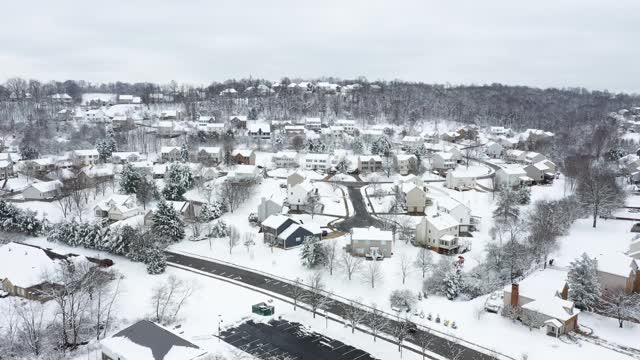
285,155
442,221
368,158
124,154
316,156
125,97
24,265
210,149
313,120
259,126
514,170
239,117
274,221
146,340
370,233
242,152
168,149
541,284
449,203
405,157
616,263
554,307
305,185
47,186
245,169
97,171
445,155
409,138
87,152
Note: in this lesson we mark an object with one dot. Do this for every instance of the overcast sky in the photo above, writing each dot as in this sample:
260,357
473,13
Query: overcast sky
589,43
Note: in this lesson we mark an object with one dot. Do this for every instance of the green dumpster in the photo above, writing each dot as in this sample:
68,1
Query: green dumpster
263,309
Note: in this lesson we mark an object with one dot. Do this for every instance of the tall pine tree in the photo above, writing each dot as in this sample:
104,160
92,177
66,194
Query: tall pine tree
167,222
584,286
129,179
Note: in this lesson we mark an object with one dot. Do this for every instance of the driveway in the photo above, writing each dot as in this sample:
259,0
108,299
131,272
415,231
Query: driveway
361,216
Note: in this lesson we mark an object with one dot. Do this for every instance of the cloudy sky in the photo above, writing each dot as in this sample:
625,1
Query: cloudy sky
589,43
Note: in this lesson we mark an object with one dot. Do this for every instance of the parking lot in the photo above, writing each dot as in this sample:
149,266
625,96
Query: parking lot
280,339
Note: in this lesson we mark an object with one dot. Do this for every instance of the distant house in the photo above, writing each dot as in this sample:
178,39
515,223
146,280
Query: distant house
96,116
146,340
542,298
499,131
170,154
286,159
540,172
347,125
85,157
125,99
22,267
508,143
412,140
123,157
406,163
512,177
459,211
452,136
458,180
122,122
414,195
293,131
371,242
38,167
321,162
618,271
313,124
259,130
43,190
295,179
171,115
102,209
244,173
208,155
369,163
443,161
95,174
211,128
493,149
189,210
62,98
166,129
268,207
244,157
440,232
238,121
298,195
515,155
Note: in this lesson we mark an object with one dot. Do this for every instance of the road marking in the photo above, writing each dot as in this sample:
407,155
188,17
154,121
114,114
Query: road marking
222,273
363,354
341,345
349,351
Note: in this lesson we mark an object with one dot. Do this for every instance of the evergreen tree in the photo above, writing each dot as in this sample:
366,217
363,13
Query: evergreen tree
524,195
343,166
312,253
167,222
219,229
210,212
156,261
278,141
129,179
146,191
357,146
28,152
507,205
184,153
119,240
452,284
584,287
106,146
178,180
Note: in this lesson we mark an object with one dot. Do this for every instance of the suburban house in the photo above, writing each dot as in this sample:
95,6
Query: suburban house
313,124
451,136
618,271
171,115
535,135
369,163
459,180
459,211
85,157
348,125
259,130
145,167
22,267
295,179
371,242
534,157
117,207
125,99
95,115
540,172
298,195
210,128
95,174
208,155
512,177
514,155
238,121
499,131
443,161
244,173
440,232
414,195
493,149
122,122
508,143
268,207
37,167
286,159
165,129
170,154
286,233
273,225
412,140
62,98
243,157
44,190
313,161
189,210
122,157
146,340
294,130
430,136
542,300
405,163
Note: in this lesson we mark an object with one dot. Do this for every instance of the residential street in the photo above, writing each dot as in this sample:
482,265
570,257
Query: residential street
361,216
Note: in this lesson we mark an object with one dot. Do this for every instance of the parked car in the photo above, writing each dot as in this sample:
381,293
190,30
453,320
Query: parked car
494,302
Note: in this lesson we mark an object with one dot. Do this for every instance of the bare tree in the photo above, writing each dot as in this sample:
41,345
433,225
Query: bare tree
377,321
65,203
168,298
598,191
234,193
354,315
32,327
318,297
233,239
455,350
400,331
621,305
424,339
373,273
248,240
350,264
331,254
405,267
424,261
10,320
297,293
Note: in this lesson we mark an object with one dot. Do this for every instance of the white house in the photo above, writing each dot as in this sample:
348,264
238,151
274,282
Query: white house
211,128
85,157
42,190
286,159
515,155
459,211
499,130
534,157
122,157
348,125
298,195
512,176
259,130
241,173
540,172
313,161
508,143
459,180
95,115
125,99
406,163
170,153
440,232
412,140
103,207
493,149
371,242
369,163
208,155
443,161
313,124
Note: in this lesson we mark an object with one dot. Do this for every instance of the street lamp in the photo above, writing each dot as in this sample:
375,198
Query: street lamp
219,322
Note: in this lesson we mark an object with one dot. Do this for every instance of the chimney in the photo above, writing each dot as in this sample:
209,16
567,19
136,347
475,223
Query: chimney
515,294
565,292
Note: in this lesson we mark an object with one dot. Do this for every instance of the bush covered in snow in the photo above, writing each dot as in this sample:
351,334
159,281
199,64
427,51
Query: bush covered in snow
13,219
211,211
219,229
167,223
402,299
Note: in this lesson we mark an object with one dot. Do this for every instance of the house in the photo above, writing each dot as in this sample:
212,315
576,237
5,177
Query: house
85,157
122,157
314,124
295,234
166,129
238,121
122,212
298,195
321,162
442,161
499,131
95,174
293,131
268,207
540,172
96,116
243,157
335,131
22,268
459,180
440,232
369,163
512,176
146,168
508,143
6,166
493,149
171,115
44,190
534,157
38,167
405,163
536,135
456,154
515,155
208,155
146,340
273,225
211,128
542,298
125,99
349,126
459,211
170,154
634,249
295,179
412,140
286,159
371,242
62,98
102,208
259,130
189,210
618,271
414,196
244,173
430,136
452,136
122,122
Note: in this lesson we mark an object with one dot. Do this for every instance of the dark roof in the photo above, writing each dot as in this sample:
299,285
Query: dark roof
158,339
